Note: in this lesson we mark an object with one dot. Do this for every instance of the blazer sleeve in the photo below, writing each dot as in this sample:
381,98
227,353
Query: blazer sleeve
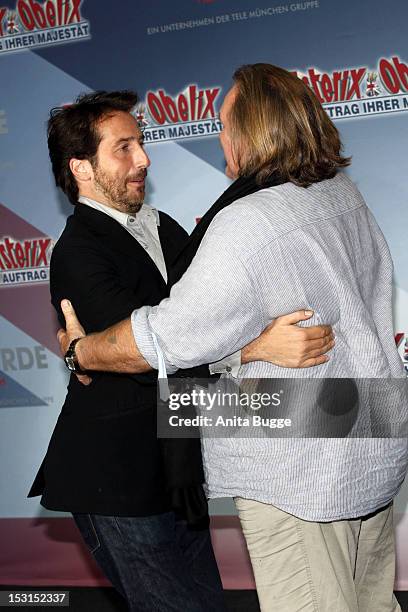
88,278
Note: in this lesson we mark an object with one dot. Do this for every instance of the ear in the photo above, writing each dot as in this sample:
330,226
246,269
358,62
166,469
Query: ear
81,169
230,173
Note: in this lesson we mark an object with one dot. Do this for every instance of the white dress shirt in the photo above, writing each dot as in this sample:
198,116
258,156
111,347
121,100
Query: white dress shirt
141,225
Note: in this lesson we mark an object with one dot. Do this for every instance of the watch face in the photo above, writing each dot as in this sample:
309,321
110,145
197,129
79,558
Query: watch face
69,361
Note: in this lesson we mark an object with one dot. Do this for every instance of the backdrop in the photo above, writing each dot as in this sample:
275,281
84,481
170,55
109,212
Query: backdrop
180,57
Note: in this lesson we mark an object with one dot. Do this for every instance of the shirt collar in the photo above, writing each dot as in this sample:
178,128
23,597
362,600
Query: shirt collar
146,211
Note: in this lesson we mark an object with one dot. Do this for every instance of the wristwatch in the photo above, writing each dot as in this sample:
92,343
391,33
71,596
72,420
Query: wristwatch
71,359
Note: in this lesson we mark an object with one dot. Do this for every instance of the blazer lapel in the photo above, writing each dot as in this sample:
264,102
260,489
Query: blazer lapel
116,235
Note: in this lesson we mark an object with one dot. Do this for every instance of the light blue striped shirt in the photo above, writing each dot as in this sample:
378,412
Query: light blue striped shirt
273,252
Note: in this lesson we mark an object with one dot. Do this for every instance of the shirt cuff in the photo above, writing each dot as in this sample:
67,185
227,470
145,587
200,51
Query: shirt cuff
229,365
147,342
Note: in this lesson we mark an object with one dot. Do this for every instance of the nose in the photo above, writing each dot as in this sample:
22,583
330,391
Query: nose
141,159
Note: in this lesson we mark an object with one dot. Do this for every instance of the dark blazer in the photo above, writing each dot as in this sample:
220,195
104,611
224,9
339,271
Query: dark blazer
104,456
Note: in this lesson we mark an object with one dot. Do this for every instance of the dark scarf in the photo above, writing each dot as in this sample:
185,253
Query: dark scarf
182,457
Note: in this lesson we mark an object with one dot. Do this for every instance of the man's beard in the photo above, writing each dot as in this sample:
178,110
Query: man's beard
115,190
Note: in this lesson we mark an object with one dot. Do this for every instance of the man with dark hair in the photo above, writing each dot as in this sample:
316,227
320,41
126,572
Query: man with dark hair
144,519
104,463
73,133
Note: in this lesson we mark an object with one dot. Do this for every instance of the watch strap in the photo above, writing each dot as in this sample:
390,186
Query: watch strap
71,359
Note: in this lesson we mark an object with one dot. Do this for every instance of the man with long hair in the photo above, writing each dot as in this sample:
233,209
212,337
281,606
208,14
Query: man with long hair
316,512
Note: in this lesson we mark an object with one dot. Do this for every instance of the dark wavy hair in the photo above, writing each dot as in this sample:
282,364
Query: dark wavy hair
72,132
278,126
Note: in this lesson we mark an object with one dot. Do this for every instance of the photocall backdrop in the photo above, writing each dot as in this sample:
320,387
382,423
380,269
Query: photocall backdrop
179,56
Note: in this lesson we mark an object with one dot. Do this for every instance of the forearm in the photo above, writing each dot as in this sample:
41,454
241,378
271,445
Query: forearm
113,350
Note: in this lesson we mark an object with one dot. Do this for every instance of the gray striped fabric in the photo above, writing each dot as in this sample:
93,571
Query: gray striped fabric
270,253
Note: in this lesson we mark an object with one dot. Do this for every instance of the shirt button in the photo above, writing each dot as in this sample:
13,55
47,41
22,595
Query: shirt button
132,219
229,369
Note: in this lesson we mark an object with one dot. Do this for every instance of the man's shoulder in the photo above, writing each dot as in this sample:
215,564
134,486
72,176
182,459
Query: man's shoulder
259,219
75,235
169,225
72,231
288,207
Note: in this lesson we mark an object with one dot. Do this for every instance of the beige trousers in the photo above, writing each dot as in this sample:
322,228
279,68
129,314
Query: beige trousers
342,566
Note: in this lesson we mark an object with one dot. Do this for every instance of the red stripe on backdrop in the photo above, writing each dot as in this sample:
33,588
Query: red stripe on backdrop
49,551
